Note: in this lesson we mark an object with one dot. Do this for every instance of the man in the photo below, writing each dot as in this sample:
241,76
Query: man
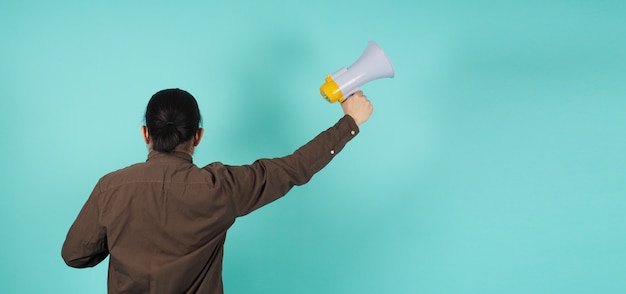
164,221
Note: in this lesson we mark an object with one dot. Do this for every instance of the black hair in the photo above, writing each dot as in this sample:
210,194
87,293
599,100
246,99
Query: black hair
172,117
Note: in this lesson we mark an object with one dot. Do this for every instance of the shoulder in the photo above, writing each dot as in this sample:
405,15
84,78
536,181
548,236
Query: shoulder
214,169
126,174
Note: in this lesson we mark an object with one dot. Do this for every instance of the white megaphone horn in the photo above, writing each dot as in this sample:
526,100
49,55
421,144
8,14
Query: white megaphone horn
373,64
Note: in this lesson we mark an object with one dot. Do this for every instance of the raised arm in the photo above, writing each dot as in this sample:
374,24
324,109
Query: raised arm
266,180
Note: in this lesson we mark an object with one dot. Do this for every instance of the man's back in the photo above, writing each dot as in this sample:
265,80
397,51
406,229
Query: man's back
165,223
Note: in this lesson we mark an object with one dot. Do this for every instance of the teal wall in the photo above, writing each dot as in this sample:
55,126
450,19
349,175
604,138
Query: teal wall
495,161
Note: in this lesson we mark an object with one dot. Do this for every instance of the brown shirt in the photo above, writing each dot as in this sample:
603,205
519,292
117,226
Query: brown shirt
164,221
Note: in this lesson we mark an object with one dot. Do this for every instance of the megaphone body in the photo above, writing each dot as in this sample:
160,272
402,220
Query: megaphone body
373,64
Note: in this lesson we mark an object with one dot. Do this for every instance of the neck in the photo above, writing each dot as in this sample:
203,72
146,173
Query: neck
188,150
184,148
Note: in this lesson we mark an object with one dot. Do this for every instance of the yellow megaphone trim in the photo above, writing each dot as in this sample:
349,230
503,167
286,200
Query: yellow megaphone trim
330,91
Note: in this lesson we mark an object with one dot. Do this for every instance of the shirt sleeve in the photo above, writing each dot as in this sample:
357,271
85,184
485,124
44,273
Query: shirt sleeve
86,242
266,180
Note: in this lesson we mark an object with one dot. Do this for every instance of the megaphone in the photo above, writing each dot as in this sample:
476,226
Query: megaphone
373,64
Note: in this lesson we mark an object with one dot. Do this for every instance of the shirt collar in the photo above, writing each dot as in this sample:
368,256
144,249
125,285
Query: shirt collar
176,154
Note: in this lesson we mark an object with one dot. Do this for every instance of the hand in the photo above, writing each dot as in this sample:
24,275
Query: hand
358,107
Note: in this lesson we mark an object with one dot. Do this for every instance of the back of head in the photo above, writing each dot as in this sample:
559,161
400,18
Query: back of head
172,118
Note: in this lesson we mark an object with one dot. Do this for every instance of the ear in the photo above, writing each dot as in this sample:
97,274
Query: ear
146,135
198,137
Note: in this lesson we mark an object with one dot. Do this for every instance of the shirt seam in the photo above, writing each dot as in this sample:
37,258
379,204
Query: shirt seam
105,189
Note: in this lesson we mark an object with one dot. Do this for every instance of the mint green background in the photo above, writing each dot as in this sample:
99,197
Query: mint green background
494,161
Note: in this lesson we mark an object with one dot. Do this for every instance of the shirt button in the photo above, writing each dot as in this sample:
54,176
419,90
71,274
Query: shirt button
352,133
332,151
